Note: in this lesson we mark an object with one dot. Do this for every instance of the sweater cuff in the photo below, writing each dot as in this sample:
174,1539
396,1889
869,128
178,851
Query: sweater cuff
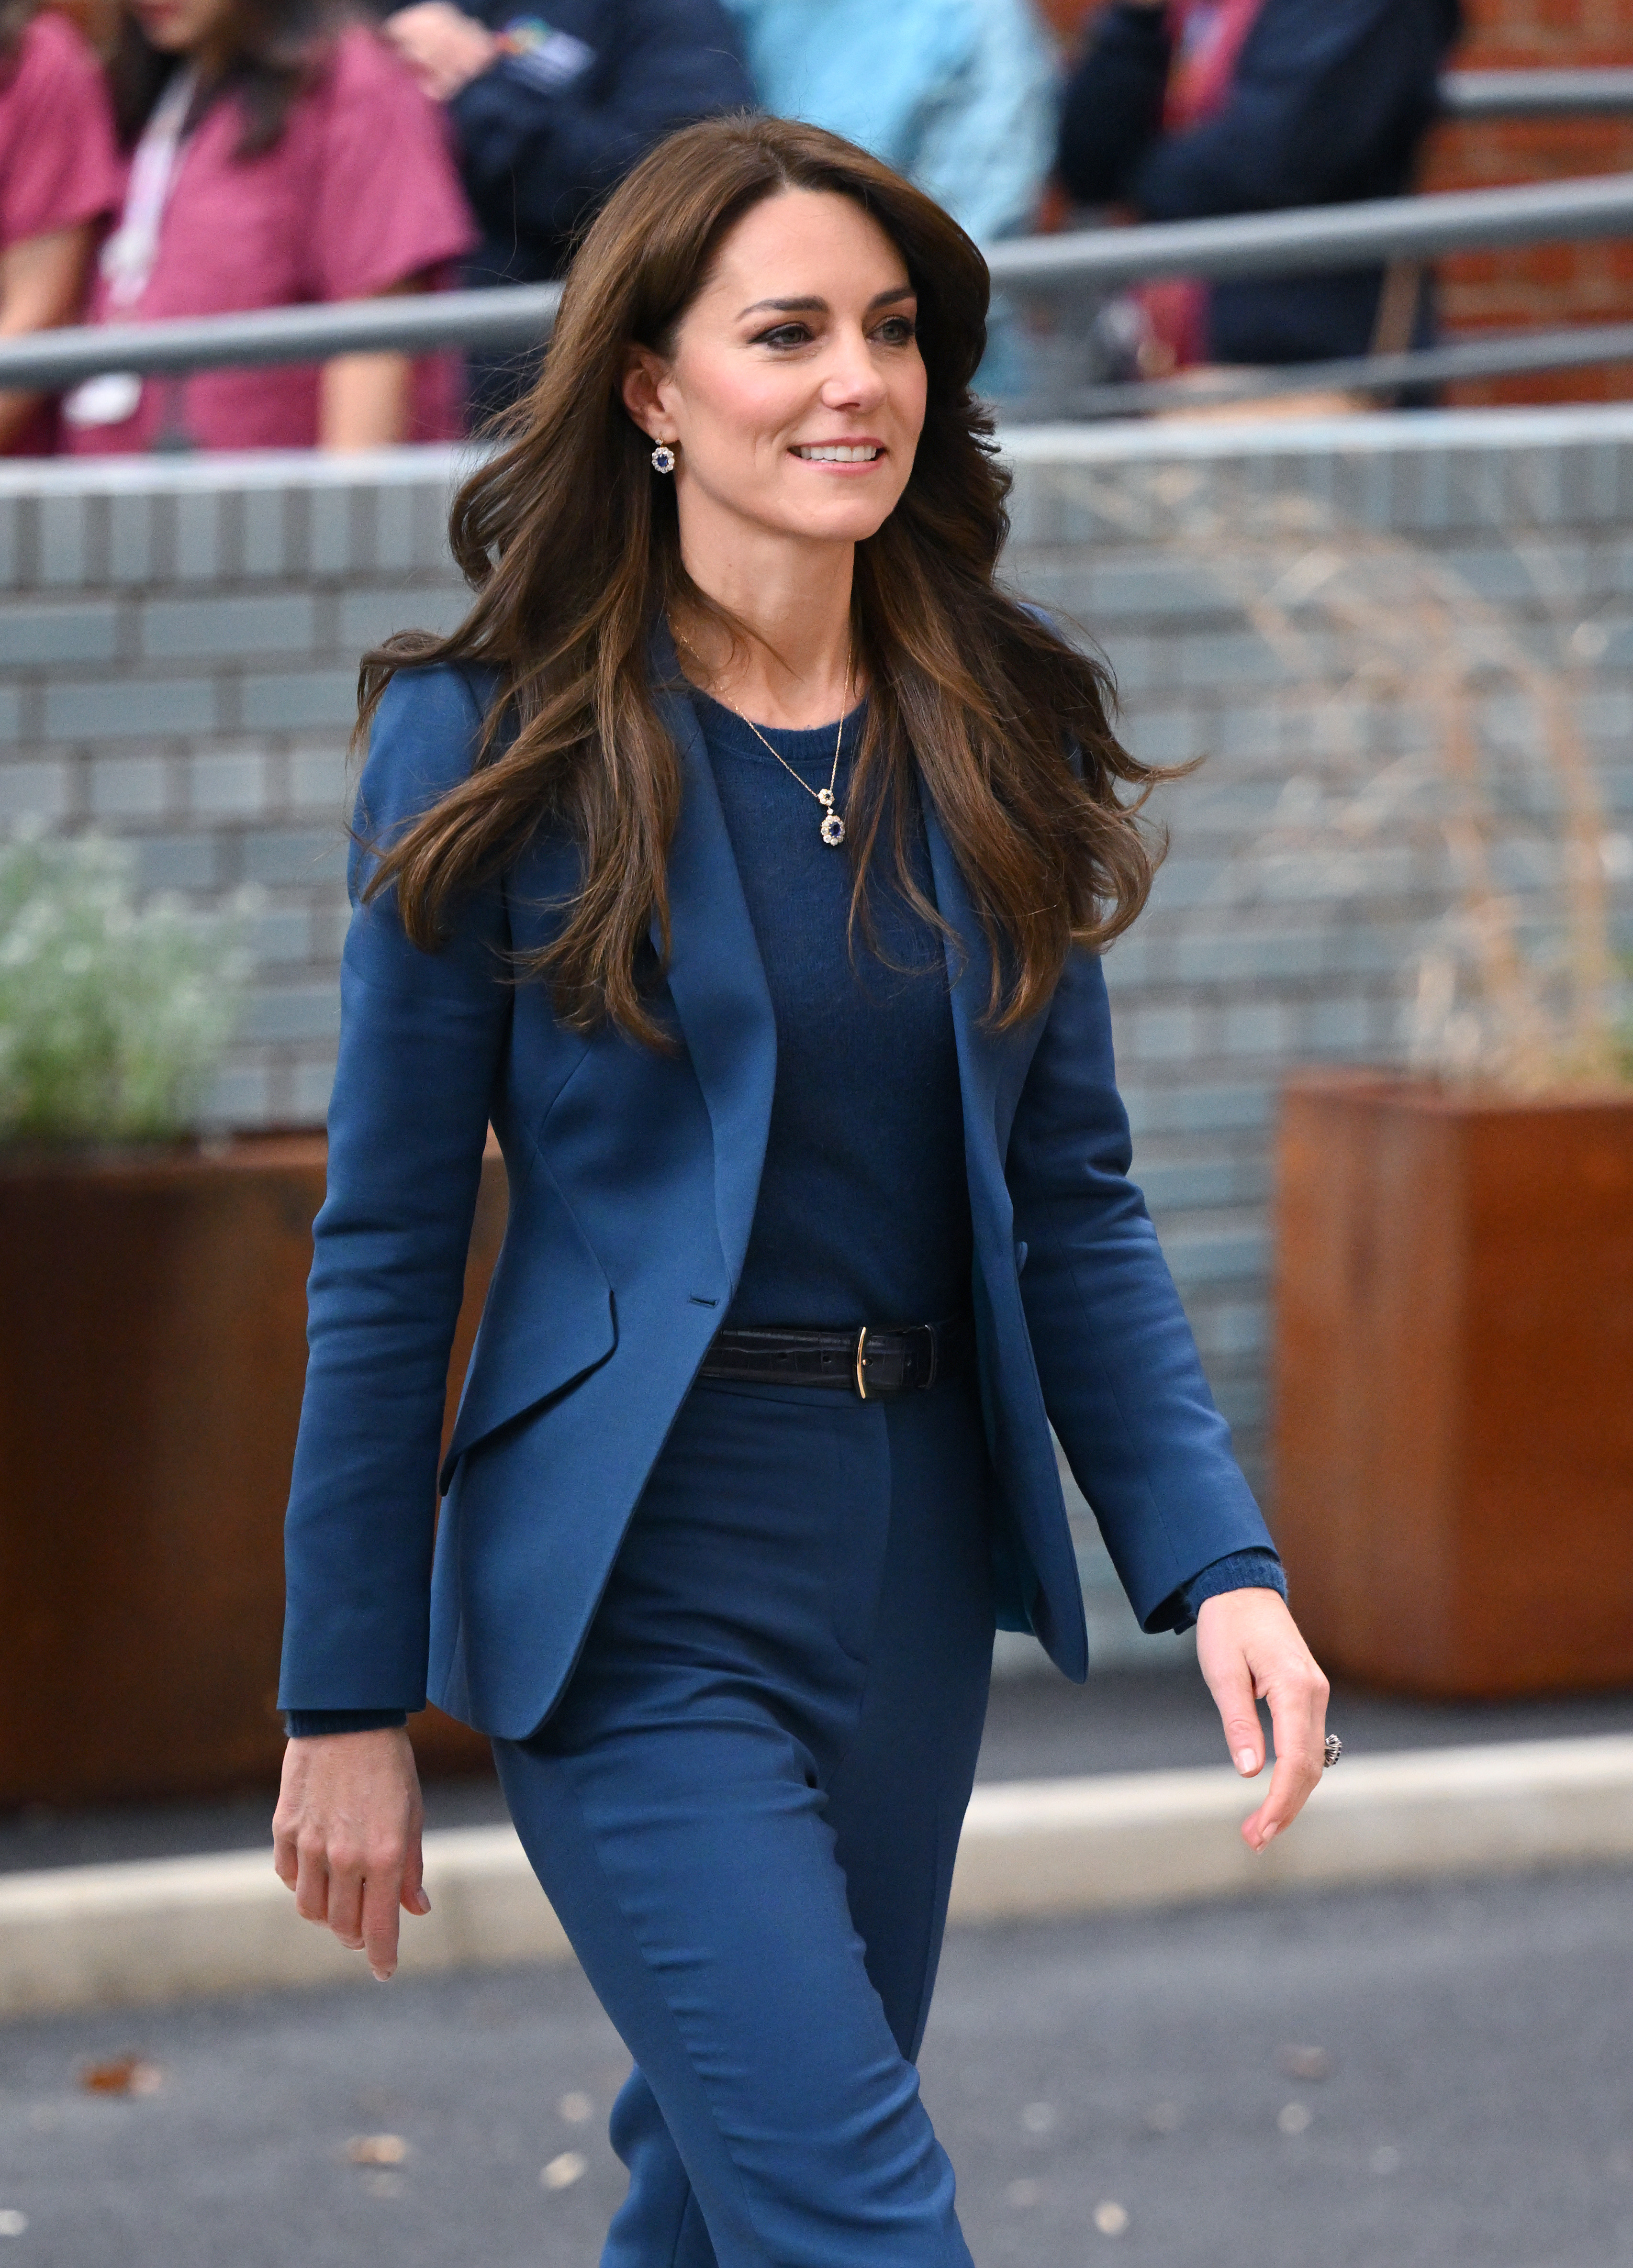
1258,1569
307,1724
1240,1571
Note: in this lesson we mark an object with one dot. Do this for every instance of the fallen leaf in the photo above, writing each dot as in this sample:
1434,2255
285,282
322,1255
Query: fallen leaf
13,2223
377,2149
576,2108
1110,2218
1305,2063
562,2172
1293,2117
127,2075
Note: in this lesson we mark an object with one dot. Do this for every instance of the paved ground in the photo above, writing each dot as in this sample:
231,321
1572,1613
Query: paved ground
1038,1727
1476,2109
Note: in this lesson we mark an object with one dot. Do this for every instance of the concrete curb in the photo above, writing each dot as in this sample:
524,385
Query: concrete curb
107,1936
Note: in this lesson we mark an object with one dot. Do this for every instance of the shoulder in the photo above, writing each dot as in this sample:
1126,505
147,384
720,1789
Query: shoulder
423,740
52,55
53,74
58,166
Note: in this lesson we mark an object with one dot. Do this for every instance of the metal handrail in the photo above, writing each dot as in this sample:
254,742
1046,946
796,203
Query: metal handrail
1313,236
1601,93
1507,354
1098,258
512,315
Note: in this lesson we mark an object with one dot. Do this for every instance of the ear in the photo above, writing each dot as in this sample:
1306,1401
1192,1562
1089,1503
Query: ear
645,374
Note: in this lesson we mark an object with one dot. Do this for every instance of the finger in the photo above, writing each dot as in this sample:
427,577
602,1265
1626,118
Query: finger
1297,1715
311,1881
1231,1683
345,1902
286,1859
383,1892
415,1900
1290,1785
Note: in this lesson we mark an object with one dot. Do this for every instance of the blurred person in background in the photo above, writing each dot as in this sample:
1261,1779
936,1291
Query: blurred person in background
962,96
281,154
1183,109
959,95
59,182
550,117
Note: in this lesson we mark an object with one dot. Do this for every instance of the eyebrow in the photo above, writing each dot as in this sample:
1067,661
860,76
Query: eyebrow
815,306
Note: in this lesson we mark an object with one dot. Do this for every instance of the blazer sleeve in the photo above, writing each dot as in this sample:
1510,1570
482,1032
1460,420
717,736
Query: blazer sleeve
538,160
1327,104
1112,112
423,1037
1122,1379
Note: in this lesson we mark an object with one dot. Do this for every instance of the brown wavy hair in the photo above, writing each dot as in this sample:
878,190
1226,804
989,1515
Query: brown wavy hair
571,543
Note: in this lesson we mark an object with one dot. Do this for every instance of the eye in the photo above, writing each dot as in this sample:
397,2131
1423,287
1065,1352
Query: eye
898,330
783,334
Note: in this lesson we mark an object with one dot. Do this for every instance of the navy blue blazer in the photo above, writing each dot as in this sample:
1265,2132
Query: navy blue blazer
632,1185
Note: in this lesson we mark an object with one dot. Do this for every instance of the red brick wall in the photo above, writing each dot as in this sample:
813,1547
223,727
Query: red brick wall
1548,284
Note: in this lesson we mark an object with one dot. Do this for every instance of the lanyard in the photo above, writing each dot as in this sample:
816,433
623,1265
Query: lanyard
129,255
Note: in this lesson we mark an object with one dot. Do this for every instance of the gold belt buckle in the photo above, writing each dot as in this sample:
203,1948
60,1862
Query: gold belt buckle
861,1358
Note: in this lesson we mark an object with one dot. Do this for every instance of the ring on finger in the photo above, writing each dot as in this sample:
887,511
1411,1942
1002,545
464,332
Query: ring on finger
1331,1752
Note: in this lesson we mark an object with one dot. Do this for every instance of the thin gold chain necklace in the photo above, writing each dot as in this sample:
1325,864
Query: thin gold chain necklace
832,830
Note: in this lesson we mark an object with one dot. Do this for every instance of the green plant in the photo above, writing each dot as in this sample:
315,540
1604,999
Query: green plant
114,1012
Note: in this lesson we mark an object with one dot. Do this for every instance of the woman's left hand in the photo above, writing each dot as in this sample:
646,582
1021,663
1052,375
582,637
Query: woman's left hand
1249,1649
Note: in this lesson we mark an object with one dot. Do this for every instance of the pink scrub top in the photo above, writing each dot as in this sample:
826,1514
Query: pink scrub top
359,193
58,166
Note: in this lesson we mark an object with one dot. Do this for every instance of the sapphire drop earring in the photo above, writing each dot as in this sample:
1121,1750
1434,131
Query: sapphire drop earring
663,458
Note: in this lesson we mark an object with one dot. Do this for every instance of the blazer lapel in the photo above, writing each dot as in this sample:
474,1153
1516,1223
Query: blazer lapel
716,978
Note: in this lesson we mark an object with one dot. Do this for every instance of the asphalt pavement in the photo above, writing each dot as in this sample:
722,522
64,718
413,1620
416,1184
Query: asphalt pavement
1433,2078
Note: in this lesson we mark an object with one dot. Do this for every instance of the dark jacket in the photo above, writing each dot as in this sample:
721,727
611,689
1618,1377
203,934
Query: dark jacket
1329,103
557,124
633,1178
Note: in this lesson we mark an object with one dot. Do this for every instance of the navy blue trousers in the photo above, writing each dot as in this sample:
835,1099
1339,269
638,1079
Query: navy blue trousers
745,1810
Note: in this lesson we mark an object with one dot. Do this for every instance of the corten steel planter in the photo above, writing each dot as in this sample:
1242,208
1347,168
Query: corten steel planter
152,1345
1454,1384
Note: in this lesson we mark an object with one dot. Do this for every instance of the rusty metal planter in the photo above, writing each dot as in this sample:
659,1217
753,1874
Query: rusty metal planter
152,1345
1454,1384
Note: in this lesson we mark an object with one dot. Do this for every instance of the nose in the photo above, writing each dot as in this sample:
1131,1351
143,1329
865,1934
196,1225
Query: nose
851,379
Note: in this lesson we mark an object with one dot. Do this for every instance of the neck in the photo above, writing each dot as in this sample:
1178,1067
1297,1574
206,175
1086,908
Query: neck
792,664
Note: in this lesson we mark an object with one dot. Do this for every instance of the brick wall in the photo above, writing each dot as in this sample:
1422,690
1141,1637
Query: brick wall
178,645
1544,284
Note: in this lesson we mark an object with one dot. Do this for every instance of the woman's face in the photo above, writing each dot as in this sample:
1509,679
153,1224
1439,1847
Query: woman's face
184,27
796,393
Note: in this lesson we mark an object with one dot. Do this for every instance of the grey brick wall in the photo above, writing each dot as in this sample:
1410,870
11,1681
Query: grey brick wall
178,647
178,664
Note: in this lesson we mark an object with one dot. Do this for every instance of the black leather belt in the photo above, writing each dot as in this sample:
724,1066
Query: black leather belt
875,1363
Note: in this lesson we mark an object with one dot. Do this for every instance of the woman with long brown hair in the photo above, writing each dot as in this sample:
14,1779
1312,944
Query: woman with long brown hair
744,857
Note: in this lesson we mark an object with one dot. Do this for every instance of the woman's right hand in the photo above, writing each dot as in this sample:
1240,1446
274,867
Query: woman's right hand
346,1837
